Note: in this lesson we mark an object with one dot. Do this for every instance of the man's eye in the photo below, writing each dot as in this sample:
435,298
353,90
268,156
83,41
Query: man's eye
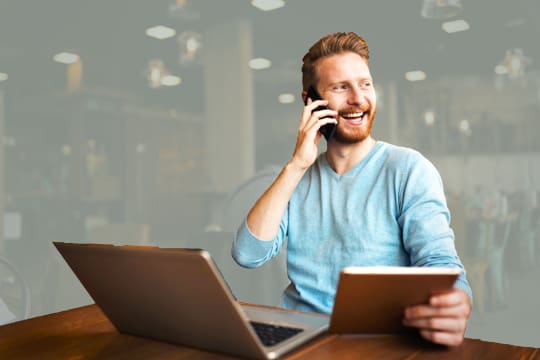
340,87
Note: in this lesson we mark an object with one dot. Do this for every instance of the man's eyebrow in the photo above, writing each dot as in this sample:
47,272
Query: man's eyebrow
338,82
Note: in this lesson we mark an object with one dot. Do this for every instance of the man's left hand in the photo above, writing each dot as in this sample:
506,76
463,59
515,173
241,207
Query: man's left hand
443,320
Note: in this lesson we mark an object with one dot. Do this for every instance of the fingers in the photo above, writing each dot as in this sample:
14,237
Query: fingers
452,298
309,115
423,311
443,320
319,119
441,330
305,152
312,105
443,324
312,122
307,112
453,303
443,338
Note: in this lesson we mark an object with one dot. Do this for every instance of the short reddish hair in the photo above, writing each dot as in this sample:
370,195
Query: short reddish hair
329,45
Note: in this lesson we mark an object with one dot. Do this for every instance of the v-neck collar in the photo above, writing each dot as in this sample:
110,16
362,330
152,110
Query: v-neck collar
353,170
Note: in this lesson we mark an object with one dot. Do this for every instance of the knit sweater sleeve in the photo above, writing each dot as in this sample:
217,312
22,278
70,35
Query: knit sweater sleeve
250,251
425,219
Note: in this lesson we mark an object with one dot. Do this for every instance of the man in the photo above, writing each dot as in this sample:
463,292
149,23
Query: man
361,203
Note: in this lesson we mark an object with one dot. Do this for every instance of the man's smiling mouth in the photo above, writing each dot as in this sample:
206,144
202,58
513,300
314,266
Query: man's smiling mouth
351,116
354,118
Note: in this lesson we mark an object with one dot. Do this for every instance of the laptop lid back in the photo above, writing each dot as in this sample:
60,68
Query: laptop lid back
174,295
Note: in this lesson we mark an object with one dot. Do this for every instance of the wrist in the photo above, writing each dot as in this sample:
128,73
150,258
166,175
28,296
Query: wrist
296,166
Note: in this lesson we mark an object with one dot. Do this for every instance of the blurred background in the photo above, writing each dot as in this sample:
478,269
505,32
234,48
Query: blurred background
160,122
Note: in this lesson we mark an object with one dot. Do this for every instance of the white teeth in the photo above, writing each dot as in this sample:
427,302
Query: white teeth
353,115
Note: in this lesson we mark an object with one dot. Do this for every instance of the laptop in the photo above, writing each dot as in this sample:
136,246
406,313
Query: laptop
179,296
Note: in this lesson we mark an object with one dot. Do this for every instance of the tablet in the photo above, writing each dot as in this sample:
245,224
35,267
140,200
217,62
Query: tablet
372,300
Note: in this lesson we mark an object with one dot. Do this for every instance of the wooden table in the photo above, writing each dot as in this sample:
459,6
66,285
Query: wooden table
85,333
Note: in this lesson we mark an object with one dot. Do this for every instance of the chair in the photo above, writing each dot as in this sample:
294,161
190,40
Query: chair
15,297
239,201
265,284
120,234
61,289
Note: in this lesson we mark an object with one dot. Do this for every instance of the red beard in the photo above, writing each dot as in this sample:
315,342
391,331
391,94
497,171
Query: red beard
354,134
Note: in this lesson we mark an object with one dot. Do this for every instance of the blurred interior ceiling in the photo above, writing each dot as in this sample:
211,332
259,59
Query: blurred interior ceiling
110,39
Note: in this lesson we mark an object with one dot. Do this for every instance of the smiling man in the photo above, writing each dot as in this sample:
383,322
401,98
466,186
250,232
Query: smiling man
361,203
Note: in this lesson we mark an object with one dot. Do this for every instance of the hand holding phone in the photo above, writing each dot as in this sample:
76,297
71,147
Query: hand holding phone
327,130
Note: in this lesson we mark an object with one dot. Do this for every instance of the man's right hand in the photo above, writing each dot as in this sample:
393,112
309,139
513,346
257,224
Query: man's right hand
265,216
308,137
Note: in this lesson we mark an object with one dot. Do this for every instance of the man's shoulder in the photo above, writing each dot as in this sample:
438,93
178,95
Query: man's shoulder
400,155
412,164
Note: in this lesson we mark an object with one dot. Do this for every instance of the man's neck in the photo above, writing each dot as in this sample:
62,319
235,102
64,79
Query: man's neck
342,157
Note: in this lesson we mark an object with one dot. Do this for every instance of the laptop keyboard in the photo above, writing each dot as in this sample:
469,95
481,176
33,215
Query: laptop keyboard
272,334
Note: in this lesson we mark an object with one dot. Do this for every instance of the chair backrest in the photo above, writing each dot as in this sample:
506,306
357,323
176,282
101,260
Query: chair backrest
120,234
15,297
265,284
239,201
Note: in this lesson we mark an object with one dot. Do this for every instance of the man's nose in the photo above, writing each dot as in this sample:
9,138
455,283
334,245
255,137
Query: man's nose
356,96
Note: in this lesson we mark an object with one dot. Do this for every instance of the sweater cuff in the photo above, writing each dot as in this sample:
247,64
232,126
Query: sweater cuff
463,285
248,250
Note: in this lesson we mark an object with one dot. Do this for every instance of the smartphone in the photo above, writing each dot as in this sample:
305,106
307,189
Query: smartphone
327,130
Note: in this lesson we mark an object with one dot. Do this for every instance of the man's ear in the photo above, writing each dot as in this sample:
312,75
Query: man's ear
304,94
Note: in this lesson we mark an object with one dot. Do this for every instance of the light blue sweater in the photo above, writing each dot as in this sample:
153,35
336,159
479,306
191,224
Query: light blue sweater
389,209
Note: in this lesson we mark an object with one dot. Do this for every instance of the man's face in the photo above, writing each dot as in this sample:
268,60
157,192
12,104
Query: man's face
345,81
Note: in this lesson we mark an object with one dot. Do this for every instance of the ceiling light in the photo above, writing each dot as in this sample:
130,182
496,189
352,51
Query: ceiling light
66,150
66,58
3,76
160,32
416,75
429,117
156,70
441,9
465,127
140,148
267,5
170,80
190,44
286,98
259,63
455,26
